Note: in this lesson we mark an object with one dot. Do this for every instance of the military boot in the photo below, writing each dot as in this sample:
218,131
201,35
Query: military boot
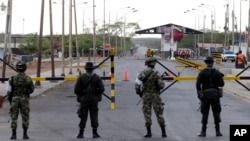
148,134
25,135
13,136
80,134
95,134
203,132
163,131
217,128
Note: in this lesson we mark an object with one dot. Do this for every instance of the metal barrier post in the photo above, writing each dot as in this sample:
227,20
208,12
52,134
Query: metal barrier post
112,91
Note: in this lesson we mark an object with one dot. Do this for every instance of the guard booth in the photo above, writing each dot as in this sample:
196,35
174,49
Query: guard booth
171,34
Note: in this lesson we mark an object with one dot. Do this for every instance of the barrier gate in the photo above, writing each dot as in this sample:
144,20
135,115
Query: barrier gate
74,78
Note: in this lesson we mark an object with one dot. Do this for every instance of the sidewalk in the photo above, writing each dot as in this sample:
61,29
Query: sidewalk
45,85
235,88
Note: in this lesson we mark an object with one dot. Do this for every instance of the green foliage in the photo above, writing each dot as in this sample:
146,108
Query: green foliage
29,45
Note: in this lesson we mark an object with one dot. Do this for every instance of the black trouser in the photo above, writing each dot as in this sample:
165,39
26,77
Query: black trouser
216,109
90,107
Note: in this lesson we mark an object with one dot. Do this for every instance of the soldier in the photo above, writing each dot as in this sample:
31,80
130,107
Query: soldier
19,89
88,89
148,86
208,85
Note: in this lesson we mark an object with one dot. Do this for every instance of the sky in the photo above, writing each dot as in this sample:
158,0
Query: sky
26,14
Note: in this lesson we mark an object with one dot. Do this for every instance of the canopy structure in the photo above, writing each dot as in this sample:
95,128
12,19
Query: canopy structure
161,29
171,34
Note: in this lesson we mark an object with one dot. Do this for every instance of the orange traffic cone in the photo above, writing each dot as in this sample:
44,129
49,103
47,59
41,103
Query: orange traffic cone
125,76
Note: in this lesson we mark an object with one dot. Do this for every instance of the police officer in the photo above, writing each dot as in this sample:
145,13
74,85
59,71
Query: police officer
148,86
20,88
209,79
88,89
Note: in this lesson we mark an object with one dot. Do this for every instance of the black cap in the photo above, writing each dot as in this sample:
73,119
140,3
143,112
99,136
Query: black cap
89,66
209,59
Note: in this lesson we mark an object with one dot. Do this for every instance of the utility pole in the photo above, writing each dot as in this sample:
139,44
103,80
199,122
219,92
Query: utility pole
70,36
40,44
51,40
63,70
77,48
7,37
233,25
104,26
94,34
226,27
248,32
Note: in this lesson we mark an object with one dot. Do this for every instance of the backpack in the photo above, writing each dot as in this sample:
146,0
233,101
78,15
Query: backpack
21,85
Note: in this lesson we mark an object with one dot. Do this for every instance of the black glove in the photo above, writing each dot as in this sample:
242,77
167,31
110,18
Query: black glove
78,98
140,94
199,94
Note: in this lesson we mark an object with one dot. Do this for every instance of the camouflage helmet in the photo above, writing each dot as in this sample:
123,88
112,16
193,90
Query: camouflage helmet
209,59
150,61
21,66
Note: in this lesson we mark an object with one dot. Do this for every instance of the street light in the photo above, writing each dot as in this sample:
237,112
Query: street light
125,28
189,12
3,7
240,25
212,22
204,21
116,27
84,16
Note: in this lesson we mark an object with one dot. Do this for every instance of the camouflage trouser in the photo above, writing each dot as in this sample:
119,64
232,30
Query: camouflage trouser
216,109
154,100
19,104
90,107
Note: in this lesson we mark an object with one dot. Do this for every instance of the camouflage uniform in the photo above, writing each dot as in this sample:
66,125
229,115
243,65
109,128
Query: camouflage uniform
88,89
149,91
19,89
22,88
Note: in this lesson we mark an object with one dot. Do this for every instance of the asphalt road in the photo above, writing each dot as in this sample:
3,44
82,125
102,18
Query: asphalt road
53,114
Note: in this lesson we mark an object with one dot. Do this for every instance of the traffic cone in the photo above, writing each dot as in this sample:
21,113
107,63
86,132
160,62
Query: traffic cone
125,76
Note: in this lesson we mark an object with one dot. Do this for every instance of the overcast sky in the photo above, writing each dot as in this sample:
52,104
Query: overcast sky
151,13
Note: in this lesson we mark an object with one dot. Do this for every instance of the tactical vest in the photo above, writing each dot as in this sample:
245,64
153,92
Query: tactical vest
21,85
151,84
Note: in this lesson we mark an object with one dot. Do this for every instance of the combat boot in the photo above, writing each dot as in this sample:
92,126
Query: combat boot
163,131
217,128
13,136
203,132
148,134
80,134
25,135
95,134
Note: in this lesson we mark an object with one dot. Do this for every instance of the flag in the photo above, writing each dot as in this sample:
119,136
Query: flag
177,33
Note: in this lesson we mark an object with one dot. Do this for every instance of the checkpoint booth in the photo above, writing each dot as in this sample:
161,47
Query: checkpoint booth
171,34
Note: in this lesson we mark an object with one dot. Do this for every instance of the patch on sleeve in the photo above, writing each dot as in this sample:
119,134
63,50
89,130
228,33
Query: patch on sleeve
138,81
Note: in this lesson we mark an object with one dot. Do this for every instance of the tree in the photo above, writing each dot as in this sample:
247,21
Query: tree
29,45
